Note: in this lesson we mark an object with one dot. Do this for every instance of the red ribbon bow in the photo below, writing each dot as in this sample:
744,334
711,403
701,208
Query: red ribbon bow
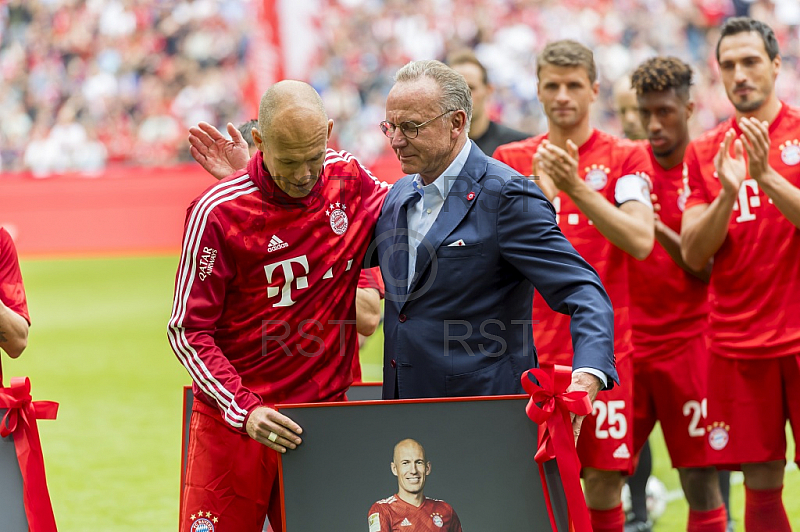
20,420
549,407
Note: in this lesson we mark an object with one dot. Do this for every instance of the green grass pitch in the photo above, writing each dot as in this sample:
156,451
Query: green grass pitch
98,346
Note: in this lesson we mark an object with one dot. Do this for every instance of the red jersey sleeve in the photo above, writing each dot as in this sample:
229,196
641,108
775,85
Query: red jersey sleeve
455,523
636,162
371,278
519,155
698,191
203,274
12,292
378,518
373,191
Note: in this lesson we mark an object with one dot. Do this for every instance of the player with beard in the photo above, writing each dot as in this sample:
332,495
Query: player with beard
409,509
671,357
599,188
744,212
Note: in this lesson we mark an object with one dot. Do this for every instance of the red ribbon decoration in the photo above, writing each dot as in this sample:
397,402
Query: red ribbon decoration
20,420
549,407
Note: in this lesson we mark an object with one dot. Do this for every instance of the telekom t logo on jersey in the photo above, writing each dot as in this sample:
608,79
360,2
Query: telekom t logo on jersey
285,291
745,201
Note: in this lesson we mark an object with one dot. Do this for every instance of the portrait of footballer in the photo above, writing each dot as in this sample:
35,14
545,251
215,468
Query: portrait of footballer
409,510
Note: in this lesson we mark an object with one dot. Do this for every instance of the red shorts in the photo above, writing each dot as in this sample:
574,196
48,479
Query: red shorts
673,390
231,479
606,440
749,402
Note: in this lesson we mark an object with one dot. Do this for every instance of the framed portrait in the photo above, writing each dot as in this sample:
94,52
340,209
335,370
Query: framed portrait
437,464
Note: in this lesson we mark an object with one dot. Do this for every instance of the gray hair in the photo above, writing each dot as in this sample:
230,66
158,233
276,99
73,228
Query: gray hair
246,130
455,91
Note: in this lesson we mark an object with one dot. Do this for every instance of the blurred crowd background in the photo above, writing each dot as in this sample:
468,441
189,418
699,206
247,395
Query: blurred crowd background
92,83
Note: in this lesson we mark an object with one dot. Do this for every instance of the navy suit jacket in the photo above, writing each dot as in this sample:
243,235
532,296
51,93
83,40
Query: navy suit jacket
464,325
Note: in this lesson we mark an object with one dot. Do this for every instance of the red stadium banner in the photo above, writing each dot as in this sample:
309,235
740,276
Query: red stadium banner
123,210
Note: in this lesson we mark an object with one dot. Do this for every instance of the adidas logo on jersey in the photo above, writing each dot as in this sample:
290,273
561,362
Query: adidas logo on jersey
405,522
275,244
622,452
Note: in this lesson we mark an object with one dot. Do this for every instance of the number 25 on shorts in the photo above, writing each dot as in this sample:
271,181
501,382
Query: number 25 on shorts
611,421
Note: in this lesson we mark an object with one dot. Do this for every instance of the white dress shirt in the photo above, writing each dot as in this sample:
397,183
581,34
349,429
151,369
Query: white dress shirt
422,214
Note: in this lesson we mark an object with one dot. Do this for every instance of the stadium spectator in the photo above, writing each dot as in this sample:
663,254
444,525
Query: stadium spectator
669,333
483,131
14,316
265,284
101,57
118,79
745,214
599,187
502,34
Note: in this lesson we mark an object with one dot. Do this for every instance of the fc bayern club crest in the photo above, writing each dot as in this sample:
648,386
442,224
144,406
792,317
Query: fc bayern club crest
437,520
338,217
718,435
790,152
203,522
596,176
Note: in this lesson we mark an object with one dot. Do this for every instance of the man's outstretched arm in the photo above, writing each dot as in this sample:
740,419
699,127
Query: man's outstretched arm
219,156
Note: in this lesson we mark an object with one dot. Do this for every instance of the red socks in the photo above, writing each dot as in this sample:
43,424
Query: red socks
709,521
764,511
612,520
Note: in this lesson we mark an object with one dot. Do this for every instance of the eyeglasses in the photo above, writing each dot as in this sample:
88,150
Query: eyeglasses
409,129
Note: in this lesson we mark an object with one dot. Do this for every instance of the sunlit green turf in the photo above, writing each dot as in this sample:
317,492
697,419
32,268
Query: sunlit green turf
98,346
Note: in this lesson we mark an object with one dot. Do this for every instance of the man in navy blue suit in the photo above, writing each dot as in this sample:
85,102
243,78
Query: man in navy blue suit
463,241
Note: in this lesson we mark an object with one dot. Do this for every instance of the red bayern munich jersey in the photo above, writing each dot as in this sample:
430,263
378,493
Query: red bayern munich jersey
755,284
603,159
668,305
264,308
396,515
12,292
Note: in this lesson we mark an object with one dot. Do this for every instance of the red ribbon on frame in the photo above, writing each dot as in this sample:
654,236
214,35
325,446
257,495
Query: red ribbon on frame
549,407
20,420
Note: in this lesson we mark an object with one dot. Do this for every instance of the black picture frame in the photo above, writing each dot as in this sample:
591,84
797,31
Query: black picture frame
481,450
